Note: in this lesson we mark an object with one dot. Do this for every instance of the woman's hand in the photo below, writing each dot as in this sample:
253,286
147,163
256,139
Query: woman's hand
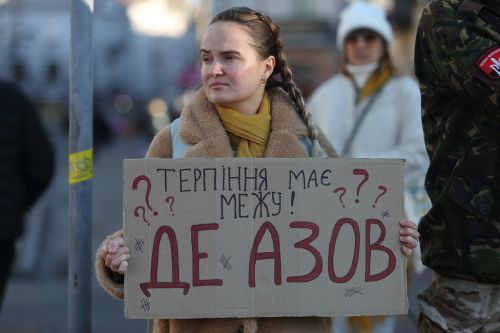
115,255
409,236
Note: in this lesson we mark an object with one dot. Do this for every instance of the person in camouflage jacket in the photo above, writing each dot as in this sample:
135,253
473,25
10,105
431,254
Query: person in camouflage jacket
457,63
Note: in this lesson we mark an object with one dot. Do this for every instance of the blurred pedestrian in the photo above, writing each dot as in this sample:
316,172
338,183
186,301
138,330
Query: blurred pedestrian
457,63
249,106
27,166
368,111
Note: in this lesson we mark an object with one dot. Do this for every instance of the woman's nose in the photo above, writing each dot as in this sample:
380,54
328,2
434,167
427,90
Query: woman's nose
216,69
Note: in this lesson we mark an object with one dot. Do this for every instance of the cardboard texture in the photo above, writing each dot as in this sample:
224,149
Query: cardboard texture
213,238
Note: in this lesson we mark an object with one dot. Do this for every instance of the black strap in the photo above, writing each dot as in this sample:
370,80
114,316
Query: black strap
359,120
491,18
470,9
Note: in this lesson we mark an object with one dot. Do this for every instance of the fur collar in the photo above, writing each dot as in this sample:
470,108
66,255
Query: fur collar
202,128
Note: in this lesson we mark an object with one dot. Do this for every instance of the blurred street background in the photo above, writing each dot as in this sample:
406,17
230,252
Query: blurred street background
145,69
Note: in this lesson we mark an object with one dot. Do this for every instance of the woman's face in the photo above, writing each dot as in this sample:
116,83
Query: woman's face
363,47
231,69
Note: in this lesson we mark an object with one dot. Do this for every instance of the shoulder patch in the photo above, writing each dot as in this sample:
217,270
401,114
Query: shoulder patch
489,62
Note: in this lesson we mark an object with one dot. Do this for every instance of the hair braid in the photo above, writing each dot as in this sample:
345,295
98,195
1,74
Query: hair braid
289,85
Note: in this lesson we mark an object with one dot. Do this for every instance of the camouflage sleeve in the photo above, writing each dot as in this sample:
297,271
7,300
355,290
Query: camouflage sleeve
465,57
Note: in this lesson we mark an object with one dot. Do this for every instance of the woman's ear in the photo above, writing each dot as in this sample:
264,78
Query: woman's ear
270,62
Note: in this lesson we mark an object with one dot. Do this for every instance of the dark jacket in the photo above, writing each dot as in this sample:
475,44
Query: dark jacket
457,63
26,162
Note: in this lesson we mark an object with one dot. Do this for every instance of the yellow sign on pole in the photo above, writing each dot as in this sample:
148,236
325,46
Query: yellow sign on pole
80,166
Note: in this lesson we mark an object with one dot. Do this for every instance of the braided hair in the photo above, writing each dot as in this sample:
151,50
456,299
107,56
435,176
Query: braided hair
266,40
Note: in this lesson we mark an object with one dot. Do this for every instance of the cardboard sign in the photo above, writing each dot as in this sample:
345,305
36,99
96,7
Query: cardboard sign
214,238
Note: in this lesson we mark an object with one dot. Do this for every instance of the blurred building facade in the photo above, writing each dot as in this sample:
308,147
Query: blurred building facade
146,50
131,67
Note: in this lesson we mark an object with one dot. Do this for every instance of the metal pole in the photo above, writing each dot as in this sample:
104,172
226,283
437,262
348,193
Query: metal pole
80,166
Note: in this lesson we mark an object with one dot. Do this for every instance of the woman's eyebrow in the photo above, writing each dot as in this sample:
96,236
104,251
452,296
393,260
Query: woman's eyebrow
228,52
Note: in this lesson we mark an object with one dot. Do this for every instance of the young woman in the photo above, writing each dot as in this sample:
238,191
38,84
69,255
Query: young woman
249,106
367,111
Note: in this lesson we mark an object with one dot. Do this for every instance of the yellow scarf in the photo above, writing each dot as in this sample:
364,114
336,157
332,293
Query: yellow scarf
249,133
362,324
378,78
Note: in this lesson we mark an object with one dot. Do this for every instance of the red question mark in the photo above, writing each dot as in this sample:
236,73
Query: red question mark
136,214
340,189
135,184
364,173
384,191
170,200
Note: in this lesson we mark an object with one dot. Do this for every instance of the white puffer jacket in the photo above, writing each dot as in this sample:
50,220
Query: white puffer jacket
392,127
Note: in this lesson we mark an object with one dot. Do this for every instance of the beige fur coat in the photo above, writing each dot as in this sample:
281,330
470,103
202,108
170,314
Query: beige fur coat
202,128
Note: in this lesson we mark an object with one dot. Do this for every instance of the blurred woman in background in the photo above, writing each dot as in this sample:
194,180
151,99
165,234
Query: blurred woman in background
367,111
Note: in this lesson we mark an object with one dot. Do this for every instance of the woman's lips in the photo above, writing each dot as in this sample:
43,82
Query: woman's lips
217,84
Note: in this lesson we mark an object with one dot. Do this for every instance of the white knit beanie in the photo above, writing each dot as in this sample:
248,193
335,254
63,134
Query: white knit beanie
363,15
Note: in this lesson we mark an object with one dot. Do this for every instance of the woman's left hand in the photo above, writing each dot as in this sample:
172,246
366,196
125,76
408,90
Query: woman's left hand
409,236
